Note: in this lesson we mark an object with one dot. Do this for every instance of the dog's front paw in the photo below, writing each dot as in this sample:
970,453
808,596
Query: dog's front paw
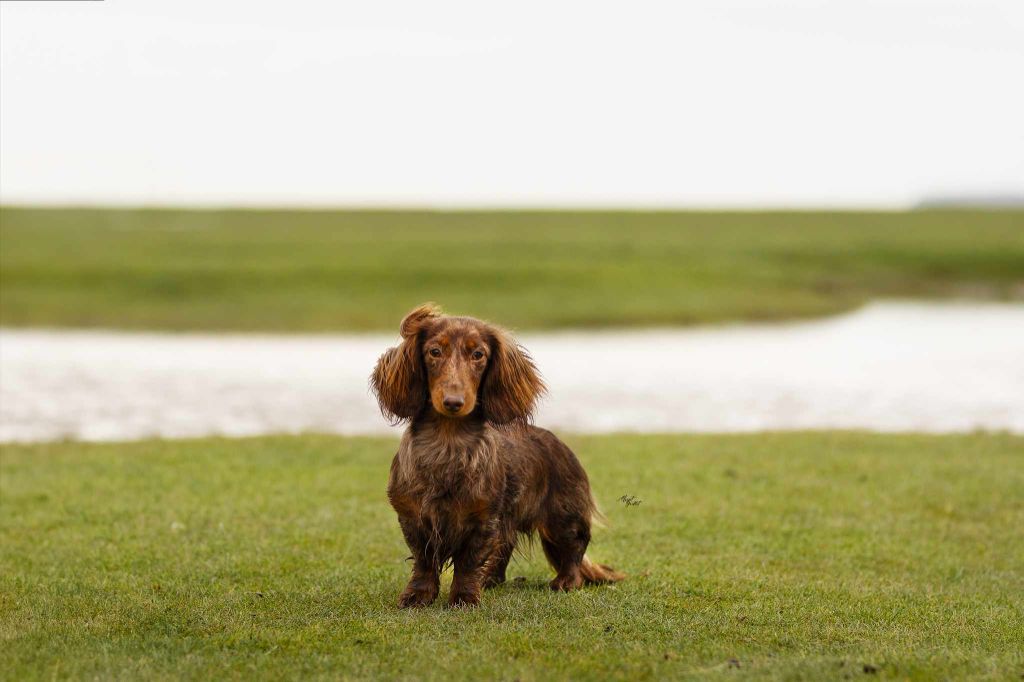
464,599
416,597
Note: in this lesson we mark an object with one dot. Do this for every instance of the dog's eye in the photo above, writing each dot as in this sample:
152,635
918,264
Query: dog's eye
478,354
435,352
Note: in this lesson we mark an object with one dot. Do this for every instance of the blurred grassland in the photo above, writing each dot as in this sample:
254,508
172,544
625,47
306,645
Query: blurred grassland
814,556
361,270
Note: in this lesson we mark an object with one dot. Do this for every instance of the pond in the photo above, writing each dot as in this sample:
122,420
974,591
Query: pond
887,367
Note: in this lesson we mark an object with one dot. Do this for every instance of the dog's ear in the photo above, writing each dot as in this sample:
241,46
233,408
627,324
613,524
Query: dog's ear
399,380
512,384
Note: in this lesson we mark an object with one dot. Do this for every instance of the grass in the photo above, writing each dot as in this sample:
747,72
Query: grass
814,556
350,270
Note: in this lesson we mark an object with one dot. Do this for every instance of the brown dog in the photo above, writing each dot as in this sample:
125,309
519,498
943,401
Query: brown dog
471,472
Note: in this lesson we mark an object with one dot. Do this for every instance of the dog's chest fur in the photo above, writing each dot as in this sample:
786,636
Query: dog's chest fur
447,478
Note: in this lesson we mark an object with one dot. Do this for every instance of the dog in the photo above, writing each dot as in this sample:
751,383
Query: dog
472,473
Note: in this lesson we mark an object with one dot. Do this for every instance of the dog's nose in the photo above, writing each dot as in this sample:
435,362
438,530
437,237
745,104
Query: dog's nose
453,404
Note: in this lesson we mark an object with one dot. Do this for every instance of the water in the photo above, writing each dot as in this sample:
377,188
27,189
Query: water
887,367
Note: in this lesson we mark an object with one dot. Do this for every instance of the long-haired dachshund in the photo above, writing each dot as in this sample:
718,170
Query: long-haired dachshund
471,473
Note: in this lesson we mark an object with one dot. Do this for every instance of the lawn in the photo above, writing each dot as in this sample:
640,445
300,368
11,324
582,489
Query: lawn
774,556
350,270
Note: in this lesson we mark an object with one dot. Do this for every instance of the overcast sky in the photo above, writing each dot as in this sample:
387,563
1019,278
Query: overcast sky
710,103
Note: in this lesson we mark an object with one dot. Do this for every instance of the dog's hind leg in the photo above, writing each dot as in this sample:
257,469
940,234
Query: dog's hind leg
566,550
565,543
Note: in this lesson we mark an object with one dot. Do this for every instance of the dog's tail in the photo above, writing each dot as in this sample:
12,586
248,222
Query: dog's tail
599,574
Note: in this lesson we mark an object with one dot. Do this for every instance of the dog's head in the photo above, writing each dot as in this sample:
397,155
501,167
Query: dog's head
458,366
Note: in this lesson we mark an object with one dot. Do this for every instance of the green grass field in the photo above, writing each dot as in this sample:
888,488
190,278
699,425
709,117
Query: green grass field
313,271
814,556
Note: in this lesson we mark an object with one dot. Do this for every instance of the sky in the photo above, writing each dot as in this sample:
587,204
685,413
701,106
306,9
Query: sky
717,103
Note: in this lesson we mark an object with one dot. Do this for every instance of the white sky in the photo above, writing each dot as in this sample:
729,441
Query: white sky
709,103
